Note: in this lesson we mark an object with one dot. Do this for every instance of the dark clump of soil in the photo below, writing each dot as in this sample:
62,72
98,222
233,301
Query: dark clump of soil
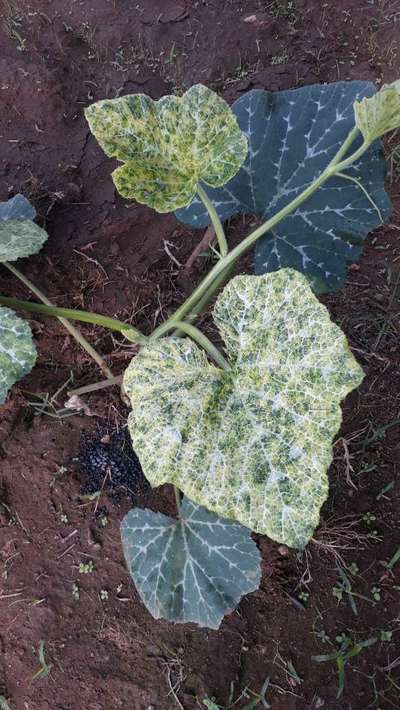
108,255
107,462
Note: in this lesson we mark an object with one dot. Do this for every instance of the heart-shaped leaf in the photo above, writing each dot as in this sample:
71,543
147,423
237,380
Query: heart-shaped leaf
169,145
20,238
293,135
17,207
17,351
195,568
252,442
380,113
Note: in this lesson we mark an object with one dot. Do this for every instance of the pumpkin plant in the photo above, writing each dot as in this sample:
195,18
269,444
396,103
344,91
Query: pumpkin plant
245,435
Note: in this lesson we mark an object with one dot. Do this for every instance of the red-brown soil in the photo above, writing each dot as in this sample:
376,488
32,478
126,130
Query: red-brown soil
107,255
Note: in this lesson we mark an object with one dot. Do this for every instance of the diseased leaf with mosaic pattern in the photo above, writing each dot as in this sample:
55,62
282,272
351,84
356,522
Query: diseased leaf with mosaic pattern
195,568
380,113
169,145
17,351
252,443
20,238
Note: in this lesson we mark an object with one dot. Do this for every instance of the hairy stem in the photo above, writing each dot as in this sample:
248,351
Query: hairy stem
210,283
67,325
85,316
215,221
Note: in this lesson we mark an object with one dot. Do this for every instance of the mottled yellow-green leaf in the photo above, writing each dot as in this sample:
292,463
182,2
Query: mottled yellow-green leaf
253,442
170,145
20,238
379,113
17,351
137,181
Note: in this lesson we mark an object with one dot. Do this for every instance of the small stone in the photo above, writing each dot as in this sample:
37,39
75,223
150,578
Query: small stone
283,550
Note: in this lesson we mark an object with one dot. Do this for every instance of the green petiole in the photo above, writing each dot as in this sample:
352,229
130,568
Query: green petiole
70,313
215,221
209,285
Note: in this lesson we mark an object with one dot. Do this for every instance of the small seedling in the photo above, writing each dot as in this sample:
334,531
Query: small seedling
366,468
375,536
376,593
3,703
103,595
44,669
49,405
386,635
211,704
293,675
76,592
86,567
369,518
323,636
394,560
343,655
304,596
245,435
257,699
338,593
353,568
342,638
63,516
345,587
385,489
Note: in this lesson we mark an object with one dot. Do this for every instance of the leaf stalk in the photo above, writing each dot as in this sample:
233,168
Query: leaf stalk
85,316
211,282
215,221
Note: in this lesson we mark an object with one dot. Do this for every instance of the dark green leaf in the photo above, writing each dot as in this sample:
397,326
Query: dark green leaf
292,137
195,568
17,207
20,238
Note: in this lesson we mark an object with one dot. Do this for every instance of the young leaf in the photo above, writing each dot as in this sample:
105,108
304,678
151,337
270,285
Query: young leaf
17,351
195,568
169,145
19,238
253,442
17,207
293,135
380,113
